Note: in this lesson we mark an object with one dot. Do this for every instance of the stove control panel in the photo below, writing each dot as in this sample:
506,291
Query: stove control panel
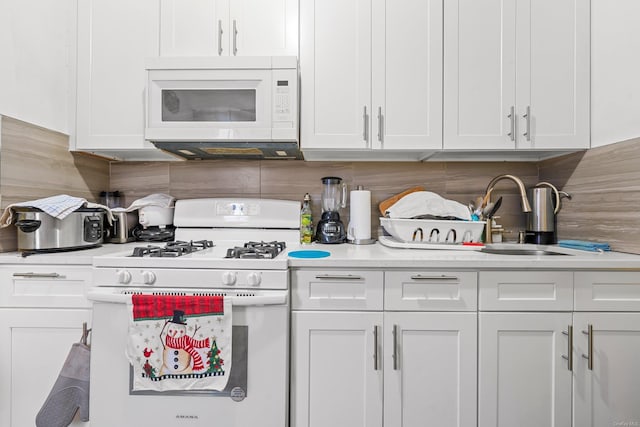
191,278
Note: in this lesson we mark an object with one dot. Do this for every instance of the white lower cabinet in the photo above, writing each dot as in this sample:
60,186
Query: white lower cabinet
42,309
429,369
524,378
335,381
372,367
606,387
36,344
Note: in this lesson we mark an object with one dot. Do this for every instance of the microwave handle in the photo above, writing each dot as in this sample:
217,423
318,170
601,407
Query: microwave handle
220,32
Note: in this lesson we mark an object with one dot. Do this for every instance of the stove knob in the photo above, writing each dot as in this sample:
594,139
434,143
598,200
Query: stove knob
123,276
254,279
148,277
229,278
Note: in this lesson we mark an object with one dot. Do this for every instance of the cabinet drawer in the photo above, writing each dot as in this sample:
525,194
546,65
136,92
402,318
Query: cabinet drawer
44,286
607,291
526,291
430,290
336,290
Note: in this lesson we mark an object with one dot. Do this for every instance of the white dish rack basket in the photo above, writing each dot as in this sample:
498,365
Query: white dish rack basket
433,231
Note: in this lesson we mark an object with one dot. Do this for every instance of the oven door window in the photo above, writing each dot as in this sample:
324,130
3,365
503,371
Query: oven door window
209,105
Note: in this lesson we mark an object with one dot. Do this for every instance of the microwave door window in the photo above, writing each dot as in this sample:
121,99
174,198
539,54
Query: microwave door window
209,105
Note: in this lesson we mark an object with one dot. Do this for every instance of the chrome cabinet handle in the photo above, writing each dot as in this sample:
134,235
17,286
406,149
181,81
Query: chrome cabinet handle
527,115
569,356
589,355
365,120
442,277
395,347
220,37
338,277
39,275
376,364
512,120
380,124
235,36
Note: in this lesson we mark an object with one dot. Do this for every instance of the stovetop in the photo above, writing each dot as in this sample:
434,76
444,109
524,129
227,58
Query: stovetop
200,254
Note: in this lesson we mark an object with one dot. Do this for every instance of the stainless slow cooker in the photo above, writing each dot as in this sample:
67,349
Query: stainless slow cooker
40,232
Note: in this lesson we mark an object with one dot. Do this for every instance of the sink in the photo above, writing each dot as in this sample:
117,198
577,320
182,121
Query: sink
515,250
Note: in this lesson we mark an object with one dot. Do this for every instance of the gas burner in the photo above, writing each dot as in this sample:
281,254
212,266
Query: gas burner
172,249
256,250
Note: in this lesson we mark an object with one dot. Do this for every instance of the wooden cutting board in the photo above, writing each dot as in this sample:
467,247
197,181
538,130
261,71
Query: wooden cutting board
385,204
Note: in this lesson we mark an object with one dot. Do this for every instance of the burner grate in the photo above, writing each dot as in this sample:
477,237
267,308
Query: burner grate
172,249
256,250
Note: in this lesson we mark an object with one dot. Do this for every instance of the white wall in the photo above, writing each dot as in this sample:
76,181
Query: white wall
615,71
37,62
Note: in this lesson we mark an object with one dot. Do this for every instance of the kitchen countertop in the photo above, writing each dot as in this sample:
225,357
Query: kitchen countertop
379,256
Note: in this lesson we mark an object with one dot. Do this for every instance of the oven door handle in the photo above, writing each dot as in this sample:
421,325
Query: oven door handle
273,298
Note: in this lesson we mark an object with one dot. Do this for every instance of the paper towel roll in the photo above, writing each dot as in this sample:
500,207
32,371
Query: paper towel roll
359,215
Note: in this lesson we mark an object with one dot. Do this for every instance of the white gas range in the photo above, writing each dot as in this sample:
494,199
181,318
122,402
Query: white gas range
229,247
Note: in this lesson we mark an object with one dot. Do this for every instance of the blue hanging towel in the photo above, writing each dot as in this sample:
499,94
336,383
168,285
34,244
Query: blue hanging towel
584,245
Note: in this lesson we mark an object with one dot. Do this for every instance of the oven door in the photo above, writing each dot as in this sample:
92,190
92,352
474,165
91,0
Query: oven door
260,321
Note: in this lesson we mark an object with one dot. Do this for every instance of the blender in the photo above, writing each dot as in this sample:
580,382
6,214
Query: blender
334,196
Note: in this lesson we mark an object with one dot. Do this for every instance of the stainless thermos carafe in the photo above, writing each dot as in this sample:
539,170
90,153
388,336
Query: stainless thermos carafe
541,221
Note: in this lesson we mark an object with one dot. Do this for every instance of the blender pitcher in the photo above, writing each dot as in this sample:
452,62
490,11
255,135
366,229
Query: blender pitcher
333,197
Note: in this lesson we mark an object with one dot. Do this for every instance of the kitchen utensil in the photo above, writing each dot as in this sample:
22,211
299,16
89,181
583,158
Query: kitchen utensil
149,216
122,228
494,208
541,221
334,196
40,232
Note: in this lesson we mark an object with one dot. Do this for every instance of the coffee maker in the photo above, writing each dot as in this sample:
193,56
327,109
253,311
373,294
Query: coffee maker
334,196
541,221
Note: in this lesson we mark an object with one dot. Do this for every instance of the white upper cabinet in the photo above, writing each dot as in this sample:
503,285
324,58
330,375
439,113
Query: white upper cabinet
371,75
228,27
516,74
114,38
335,73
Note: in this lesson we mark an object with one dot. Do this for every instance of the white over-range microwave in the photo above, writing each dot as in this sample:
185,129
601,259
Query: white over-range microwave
217,107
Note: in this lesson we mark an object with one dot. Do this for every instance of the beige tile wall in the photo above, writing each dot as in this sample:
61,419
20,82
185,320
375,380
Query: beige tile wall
36,163
605,186
290,180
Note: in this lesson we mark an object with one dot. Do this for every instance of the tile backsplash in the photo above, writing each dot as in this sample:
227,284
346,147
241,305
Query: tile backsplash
604,182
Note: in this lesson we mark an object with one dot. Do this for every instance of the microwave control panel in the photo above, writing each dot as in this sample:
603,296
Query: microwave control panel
284,98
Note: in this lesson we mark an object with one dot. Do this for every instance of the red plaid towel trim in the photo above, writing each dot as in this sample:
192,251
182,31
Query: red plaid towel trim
147,307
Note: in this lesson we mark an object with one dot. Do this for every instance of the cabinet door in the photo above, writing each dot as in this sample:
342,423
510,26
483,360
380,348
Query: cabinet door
523,378
36,345
334,380
114,38
264,27
407,74
194,27
335,73
553,82
479,74
607,393
430,369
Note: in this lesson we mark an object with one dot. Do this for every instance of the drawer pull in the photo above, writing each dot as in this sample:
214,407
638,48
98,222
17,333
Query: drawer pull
338,277
442,277
569,356
39,275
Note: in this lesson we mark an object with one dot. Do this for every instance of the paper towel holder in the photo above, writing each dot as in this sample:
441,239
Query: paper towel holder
350,238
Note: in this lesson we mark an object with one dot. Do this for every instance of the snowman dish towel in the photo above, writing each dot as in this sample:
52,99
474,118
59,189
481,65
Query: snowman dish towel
179,342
